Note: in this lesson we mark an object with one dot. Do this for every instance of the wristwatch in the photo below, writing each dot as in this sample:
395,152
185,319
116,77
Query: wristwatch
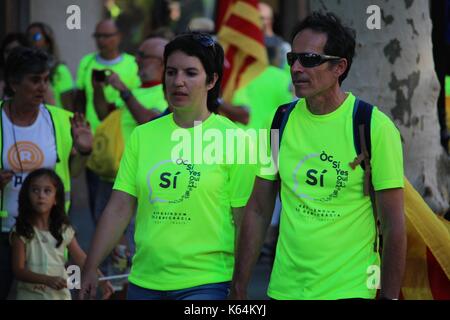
125,95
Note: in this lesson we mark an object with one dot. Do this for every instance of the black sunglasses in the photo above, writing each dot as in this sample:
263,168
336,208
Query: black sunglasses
103,35
309,60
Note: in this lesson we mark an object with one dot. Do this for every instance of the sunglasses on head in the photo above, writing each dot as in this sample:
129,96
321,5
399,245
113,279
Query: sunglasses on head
37,36
309,60
204,39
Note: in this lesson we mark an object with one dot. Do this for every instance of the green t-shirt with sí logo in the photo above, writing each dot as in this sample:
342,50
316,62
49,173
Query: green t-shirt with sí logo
184,224
327,230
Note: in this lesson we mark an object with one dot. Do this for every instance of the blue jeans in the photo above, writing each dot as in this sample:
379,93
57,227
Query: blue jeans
212,291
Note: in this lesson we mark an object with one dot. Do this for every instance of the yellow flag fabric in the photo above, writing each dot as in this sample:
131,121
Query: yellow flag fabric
427,274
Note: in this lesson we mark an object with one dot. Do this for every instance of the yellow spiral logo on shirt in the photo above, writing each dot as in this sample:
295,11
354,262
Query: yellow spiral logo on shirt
26,156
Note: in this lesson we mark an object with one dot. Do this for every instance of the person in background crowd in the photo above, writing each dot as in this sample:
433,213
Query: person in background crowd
61,83
276,46
138,106
95,67
9,42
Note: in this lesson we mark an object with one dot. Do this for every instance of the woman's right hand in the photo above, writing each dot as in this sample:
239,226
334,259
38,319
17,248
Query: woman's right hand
5,177
56,283
89,282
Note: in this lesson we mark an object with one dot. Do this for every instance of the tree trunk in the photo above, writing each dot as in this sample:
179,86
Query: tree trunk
394,69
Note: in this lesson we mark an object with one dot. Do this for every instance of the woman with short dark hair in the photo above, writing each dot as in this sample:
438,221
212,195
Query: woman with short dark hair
188,209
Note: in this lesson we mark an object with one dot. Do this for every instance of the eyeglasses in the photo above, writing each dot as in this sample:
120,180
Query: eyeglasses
142,55
36,37
103,35
309,60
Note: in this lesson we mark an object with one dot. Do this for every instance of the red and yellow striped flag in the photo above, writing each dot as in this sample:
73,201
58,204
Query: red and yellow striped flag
242,38
427,273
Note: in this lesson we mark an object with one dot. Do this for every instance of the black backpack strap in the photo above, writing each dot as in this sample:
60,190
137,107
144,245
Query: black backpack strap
362,116
278,125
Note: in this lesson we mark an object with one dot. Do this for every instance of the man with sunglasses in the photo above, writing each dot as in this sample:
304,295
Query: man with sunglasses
327,230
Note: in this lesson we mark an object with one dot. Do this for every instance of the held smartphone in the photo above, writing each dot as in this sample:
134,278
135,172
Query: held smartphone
100,75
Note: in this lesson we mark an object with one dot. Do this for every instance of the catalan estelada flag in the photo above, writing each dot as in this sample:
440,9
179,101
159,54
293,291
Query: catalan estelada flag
427,273
242,38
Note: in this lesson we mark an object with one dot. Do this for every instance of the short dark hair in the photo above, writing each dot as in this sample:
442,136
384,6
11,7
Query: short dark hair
340,38
23,61
211,57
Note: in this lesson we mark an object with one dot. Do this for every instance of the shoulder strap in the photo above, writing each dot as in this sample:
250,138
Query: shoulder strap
49,110
362,117
276,131
278,125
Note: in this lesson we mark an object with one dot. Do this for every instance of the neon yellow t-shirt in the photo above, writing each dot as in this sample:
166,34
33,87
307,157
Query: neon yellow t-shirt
149,98
184,224
263,95
127,70
327,229
62,82
447,86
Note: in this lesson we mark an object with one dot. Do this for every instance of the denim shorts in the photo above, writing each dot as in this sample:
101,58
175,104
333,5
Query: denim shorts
212,291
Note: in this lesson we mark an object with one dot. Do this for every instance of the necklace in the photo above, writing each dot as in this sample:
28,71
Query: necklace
18,179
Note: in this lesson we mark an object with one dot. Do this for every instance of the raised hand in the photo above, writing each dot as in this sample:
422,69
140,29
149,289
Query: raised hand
81,134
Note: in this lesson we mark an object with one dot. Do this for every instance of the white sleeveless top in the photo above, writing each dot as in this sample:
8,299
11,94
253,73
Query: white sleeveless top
36,146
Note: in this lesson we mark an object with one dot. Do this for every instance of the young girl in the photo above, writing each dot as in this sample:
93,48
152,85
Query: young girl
40,237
